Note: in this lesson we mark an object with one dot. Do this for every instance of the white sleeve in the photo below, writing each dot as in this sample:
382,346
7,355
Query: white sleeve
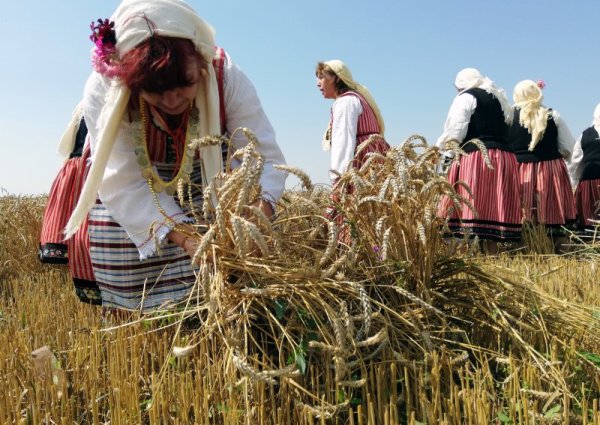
566,141
123,191
345,113
459,116
575,163
243,109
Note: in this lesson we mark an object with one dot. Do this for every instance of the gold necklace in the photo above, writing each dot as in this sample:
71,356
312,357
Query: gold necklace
155,182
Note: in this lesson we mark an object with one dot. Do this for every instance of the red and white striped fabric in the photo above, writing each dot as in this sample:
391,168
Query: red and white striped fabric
546,194
367,126
80,264
496,199
587,201
53,247
62,198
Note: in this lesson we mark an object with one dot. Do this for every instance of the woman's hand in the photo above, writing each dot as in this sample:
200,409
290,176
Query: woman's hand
190,246
182,237
265,206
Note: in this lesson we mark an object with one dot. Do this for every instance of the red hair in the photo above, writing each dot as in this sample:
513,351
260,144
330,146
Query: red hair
159,64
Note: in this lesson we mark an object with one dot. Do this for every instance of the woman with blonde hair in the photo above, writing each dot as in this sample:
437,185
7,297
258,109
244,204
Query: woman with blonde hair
585,174
542,142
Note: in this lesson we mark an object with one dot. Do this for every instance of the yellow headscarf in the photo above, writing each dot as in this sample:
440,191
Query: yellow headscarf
343,72
532,115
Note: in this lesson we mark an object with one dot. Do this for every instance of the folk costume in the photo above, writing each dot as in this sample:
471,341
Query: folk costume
542,142
135,156
480,111
584,171
64,194
355,117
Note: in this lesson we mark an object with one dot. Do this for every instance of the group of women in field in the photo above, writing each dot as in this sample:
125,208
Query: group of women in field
159,82
529,167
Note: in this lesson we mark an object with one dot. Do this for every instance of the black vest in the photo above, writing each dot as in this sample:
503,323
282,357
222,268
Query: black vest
590,144
486,124
545,150
79,140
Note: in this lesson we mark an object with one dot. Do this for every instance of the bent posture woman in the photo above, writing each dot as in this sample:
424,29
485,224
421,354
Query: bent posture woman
159,83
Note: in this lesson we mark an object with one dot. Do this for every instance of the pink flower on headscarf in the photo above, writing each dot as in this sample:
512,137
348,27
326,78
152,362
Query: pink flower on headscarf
541,84
104,56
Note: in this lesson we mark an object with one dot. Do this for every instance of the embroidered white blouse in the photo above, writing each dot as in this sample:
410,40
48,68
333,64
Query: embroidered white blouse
125,194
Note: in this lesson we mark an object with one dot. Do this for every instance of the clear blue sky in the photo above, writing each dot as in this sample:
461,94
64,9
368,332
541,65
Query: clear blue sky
406,52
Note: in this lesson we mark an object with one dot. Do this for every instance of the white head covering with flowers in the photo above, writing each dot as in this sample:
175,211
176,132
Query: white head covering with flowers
470,78
343,72
135,21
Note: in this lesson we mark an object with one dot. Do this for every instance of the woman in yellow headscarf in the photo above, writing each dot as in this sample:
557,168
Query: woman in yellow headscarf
542,142
354,118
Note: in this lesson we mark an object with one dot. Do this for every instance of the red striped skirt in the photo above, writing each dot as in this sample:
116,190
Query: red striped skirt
379,145
546,194
62,198
495,197
587,200
53,247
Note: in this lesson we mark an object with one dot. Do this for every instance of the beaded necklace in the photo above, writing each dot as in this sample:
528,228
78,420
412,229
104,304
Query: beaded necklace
155,182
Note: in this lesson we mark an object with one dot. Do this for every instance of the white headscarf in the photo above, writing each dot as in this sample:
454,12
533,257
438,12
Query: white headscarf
343,72
596,122
67,141
532,115
135,21
470,78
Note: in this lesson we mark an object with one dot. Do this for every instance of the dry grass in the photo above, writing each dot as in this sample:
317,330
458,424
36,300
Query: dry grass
287,325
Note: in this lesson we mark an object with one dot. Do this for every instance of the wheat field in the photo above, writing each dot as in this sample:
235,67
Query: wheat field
288,325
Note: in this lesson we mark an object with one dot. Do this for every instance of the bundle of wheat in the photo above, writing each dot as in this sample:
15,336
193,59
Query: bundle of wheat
287,302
